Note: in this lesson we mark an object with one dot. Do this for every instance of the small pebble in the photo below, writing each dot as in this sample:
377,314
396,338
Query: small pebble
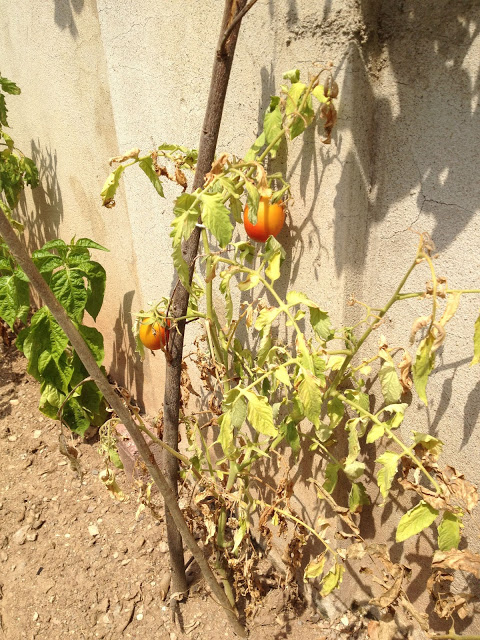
140,616
93,530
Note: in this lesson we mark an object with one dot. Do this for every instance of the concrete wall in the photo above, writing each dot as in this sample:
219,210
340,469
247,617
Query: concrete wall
101,76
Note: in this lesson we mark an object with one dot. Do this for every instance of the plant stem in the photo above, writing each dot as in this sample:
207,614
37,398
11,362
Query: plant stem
206,153
407,451
336,381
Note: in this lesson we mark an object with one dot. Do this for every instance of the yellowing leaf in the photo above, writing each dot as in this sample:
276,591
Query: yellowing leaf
476,343
449,532
385,476
417,519
332,580
260,414
311,396
314,569
423,366
391,387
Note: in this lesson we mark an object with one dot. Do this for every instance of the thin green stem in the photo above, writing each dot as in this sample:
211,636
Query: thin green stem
421,294
406,450
338,378
293,518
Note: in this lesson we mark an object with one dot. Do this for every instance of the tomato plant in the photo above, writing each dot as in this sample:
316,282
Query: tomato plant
270,220
293,396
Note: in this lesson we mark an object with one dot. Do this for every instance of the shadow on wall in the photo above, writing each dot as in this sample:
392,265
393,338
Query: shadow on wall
424,138
122,366
43,221
65,11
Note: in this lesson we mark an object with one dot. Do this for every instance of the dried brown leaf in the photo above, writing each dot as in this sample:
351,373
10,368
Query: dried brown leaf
133,153
180,178
405,366
419,323
462,489
217,169
461,560
391,594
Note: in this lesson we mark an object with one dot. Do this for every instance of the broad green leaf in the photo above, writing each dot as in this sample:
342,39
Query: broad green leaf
69,288
386,474
297,297
90,398
46,262
111,185
311,397
89,244
415,520
476,343
75,416
260,414
57,372
321,323
391,387
14,299
44,335
423,366
331,476
96,276
94,341
253,199
50,400
357,498
146,165
216,217
332,580
314,568
449,532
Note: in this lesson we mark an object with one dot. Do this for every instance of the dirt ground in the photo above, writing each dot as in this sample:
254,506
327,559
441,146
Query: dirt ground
75,563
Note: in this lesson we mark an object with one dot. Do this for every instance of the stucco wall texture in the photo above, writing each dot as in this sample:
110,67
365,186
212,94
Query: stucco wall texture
99,77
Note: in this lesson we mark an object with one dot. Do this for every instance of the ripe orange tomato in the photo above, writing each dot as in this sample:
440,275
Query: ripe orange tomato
270,220
153,336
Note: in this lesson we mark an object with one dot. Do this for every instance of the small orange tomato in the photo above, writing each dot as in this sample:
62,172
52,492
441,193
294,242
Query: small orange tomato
153,336
270,220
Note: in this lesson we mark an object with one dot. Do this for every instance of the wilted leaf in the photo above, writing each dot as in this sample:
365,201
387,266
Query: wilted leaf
423,366
314,569
476,343
452,305
405,366
133,153
391,594
357,498
463,560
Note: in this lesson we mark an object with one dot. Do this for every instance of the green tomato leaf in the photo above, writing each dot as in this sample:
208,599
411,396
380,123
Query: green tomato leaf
311,397
255,149
332,580
449,532
357,498
386,474
331,476
272,124
146,165
293,75
415,520
321,323
314,569
216,217
423,366
253,200
110,187
391,387
260,414
226,435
